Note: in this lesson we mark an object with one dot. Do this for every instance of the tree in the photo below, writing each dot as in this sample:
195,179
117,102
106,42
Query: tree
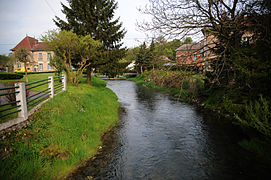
143,58
152,54
6,61
228,22
3,59
57,63
131,54
187,40
72,49
95,18
113,69
23,56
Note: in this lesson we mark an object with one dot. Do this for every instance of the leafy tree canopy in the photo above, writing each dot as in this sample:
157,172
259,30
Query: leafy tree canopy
68,46
23,56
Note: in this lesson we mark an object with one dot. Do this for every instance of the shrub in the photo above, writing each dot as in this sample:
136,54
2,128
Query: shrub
258,116
185,84
22,73
7,76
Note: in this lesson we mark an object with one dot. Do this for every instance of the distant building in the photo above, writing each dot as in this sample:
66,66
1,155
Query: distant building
200,54
131,66
40,57
190,54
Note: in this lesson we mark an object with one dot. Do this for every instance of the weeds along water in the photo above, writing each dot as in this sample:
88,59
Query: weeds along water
62,134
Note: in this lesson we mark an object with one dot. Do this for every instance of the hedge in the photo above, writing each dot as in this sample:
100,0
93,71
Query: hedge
37,72
5,75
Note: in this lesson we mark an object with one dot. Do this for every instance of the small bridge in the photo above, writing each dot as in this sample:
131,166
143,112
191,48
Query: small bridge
131,74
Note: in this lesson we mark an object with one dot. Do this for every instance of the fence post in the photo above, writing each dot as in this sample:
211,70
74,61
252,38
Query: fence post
51,86
64,82
21,96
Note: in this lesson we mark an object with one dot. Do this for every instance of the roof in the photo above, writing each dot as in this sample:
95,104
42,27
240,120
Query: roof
190,47
30,43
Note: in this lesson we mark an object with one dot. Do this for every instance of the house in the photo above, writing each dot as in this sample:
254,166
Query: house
40,56
201,53
131,66
191,54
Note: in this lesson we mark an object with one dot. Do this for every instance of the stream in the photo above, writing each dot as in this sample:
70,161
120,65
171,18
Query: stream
160,137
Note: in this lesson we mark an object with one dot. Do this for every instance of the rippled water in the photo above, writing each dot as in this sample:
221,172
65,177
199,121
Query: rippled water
162,138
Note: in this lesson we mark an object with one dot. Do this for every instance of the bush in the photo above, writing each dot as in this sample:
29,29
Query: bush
185,84
257,116
22,73
7,76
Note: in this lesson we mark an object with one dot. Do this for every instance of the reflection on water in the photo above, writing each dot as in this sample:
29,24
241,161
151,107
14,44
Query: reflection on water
162,138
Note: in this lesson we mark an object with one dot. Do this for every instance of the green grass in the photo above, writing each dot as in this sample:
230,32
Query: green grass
8,117
31,78
63,133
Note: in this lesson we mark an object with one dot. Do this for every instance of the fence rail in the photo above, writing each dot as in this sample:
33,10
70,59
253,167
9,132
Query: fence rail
5,111
27,97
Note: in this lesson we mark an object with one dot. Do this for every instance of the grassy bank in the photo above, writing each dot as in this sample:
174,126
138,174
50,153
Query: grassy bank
31,78
63,133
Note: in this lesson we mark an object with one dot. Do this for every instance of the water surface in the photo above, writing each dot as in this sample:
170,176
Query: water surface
160,137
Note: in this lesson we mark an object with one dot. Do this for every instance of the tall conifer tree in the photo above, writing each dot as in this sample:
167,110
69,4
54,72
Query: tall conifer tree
96,18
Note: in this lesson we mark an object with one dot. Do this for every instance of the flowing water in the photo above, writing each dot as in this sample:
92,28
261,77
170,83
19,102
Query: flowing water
159,137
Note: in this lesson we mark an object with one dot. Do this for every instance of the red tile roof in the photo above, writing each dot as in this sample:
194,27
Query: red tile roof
190,47
30,43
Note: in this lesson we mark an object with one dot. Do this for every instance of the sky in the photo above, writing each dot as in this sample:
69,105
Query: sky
19,18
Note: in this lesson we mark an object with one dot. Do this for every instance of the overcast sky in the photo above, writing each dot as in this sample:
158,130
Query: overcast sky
34,17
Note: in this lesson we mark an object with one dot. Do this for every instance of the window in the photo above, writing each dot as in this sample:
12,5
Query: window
195,57
40,56
18,66
49,67
48,56
182,57
202,52
246,40
41,67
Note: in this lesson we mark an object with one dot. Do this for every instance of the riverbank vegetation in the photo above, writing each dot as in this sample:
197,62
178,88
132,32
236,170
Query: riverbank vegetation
62,134
236,55
185,85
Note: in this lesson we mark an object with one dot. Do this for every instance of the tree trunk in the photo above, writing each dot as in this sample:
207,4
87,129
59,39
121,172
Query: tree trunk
25,72
88,75
141,69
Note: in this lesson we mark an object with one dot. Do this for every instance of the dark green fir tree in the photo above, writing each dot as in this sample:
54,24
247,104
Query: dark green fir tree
96,18
143,59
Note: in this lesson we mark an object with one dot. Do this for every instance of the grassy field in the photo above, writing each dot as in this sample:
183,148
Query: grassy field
31,78
63,133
